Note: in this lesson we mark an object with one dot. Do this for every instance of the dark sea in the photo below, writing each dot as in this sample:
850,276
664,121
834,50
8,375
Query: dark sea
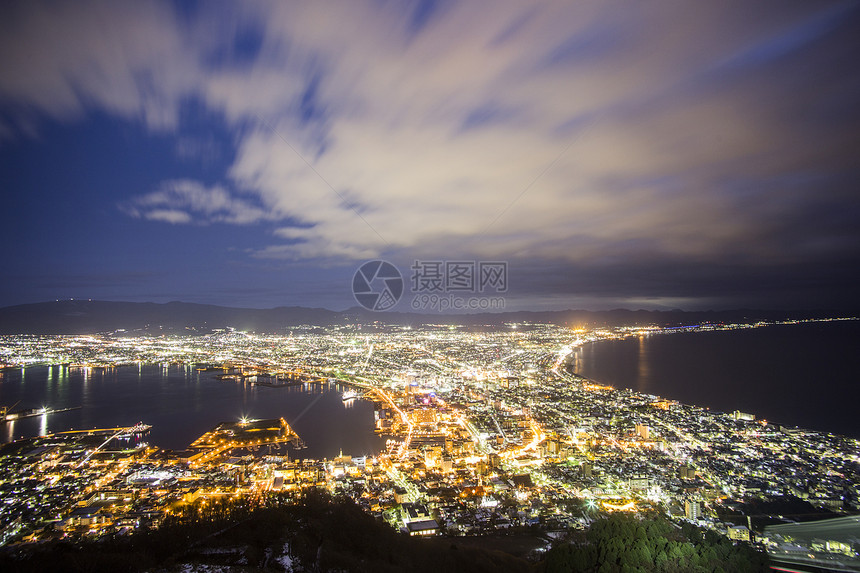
805,375
181,404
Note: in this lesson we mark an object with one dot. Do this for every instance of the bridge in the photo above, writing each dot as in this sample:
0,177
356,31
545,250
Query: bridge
114,433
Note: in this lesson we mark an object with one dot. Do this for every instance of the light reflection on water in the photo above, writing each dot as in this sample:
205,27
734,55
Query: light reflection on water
801,374
181,404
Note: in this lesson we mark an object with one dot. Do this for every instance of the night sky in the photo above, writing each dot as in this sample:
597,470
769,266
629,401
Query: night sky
651,155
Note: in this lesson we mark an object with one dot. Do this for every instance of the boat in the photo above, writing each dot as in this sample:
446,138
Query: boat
349,396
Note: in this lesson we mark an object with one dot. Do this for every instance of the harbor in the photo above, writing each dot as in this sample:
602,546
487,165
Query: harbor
182,402
8,415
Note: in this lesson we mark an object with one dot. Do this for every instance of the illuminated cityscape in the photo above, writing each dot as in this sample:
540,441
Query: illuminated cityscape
486,431
429,285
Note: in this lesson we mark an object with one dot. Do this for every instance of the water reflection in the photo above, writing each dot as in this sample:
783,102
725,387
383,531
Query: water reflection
643,367
181,404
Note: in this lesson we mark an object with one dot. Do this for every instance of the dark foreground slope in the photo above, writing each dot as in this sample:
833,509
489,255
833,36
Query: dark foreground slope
626,543
316,533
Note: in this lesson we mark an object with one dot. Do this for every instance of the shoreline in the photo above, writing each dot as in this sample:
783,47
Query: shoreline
791,390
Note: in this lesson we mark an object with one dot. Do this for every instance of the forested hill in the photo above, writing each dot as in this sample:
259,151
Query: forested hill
317,533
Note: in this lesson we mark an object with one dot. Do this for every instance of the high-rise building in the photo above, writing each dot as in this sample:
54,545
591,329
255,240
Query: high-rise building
586,469
692,509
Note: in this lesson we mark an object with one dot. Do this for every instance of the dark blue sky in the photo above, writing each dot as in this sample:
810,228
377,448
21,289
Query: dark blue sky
662,155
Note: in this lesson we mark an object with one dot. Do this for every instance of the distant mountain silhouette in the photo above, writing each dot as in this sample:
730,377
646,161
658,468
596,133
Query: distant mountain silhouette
79,317
87,317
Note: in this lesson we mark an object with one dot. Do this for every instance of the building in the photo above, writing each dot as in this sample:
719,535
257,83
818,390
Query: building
687,472
423,528
401,495
417,520
739,533
586,470
639,482
692,510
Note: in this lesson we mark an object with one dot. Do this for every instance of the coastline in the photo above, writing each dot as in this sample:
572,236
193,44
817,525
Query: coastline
756,371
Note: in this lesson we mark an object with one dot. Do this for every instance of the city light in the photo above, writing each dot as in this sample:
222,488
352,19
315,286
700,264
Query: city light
510,433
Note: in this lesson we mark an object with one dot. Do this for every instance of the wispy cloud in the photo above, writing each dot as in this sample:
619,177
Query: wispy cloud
690,134
61,59
186,201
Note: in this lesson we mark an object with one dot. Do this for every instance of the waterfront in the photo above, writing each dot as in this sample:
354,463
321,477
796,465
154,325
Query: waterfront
796,374
484,432
181,404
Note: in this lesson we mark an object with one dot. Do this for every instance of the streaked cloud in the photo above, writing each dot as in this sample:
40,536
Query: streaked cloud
186,201
578,133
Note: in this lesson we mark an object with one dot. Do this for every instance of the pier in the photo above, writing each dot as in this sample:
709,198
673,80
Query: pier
242,434
6,416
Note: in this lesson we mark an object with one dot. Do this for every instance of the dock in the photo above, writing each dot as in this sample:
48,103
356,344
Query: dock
6,416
